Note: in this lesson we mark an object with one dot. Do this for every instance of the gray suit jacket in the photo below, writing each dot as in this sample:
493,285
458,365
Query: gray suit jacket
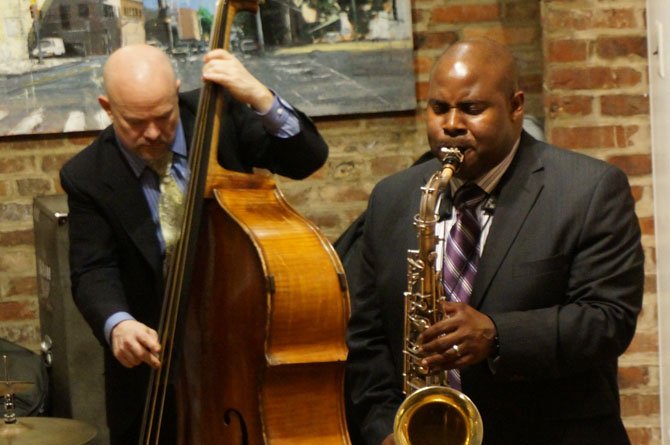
561,276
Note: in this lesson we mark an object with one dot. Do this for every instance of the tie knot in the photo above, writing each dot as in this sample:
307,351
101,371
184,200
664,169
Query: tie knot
468,196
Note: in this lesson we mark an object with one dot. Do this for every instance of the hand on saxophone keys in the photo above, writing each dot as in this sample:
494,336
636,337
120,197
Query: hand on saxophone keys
463,337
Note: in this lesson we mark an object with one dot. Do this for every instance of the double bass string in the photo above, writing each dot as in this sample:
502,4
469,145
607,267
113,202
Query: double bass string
210,110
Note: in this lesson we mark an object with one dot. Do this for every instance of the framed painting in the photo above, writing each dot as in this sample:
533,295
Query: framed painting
326,57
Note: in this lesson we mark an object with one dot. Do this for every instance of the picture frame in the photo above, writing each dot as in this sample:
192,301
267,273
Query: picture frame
326,57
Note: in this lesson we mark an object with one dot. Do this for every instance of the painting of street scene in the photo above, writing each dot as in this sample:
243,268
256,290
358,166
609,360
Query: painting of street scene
327,57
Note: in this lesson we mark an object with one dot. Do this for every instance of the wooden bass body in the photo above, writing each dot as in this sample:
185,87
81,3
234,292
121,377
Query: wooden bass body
264,338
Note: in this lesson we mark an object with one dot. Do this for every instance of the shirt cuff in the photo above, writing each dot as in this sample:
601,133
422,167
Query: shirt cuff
281,119
112,321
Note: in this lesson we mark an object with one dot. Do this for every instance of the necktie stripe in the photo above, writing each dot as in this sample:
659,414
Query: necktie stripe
461,257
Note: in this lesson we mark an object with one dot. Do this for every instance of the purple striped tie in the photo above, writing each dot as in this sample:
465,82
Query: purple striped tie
461,257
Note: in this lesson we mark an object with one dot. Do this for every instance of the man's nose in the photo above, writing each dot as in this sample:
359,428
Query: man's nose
152,131
453,123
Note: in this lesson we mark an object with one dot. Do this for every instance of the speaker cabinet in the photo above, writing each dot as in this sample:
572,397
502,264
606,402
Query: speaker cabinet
76,372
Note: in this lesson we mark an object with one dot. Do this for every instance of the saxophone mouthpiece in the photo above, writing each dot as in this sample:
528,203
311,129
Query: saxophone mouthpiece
451,155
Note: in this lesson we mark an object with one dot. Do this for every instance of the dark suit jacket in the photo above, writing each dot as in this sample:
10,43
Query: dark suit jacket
115,257
561,276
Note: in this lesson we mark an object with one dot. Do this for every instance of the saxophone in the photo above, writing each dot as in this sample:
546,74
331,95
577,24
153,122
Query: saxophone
432,413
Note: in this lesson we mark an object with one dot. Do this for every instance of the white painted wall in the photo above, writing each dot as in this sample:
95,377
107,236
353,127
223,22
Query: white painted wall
658,34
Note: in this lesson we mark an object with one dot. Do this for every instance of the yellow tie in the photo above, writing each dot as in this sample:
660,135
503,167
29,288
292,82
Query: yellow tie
170,206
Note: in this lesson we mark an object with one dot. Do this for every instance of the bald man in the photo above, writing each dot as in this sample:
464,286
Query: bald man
550,295
117,247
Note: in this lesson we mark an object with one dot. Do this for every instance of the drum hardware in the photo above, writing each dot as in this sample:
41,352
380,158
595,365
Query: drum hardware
37,430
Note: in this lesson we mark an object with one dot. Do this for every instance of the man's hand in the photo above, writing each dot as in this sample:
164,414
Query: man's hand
223,68
388,440
471,331
134,343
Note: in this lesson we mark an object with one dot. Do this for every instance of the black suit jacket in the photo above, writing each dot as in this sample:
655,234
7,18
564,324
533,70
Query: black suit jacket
561,276
115,258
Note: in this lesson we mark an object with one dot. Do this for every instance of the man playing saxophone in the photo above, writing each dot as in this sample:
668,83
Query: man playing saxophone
548,297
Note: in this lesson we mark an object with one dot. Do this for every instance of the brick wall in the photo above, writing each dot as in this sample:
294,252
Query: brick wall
584,70
596,102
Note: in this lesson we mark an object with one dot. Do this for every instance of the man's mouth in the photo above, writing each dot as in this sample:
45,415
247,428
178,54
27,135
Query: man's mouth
462,148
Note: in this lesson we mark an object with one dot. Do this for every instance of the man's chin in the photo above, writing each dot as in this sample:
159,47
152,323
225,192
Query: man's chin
153,152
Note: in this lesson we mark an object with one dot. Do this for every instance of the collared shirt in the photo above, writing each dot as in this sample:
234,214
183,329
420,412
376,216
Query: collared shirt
487,182
280,120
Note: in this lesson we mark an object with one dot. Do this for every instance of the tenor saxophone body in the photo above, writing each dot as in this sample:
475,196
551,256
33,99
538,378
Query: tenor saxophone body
432,412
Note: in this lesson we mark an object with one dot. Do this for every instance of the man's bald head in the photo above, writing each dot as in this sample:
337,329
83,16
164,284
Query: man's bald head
137,67
142,99
485,55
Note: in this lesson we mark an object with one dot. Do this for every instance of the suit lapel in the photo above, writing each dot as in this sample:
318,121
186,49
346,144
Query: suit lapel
519,190
128,203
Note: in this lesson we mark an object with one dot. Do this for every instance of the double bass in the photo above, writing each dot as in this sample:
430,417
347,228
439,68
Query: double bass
255,310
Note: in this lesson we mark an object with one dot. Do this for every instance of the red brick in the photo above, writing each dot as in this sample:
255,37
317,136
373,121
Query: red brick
615,18
650,281
647,225
593,78
423,64
568,51
624,105
434,40
511,35
531,83
34,186
17,164
348,194
613,47
389,164
520,11
421,90
17,310
644,342
325,220
640,405
633,376
80,140
568,105
419,15
625,135
556,18
4,188
17,238
637,191
584,137
465,13
53,163
639,164
640,435
584,19
22,286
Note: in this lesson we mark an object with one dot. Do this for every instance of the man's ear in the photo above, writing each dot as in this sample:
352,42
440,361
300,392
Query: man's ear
104,103
178,82
518,101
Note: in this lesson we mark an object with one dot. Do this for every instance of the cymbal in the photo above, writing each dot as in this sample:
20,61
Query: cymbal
46,431
14,387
